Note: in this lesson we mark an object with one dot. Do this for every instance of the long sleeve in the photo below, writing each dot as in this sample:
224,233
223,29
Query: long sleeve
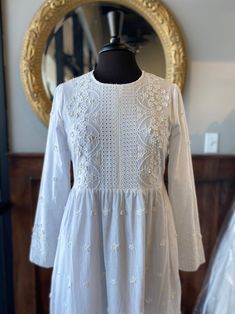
181,188
54,188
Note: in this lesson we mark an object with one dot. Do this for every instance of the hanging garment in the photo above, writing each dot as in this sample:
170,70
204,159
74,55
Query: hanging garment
117,238
218,291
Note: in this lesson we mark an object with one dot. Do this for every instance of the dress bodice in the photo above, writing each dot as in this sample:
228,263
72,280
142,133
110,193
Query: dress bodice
118,134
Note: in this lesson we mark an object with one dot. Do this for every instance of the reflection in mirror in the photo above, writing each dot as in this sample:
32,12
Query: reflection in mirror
73,46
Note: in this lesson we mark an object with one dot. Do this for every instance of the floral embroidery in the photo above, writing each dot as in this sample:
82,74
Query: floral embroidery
132,279
40,250
93,212
78,211
86,283
162,243
153,129
123,212
87,247
100,129
113,281
131,246
115,246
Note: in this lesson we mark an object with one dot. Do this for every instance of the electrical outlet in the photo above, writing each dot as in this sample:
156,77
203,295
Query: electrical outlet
211,143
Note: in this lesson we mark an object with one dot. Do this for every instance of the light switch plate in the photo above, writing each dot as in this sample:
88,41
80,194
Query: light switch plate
211,143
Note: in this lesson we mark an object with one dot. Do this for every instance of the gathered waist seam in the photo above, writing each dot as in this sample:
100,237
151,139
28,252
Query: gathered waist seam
74,186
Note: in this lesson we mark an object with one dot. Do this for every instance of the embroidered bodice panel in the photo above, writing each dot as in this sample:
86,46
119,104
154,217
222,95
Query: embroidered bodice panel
118,134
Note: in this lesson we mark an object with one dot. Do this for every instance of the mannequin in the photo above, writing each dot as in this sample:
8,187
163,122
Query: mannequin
116,61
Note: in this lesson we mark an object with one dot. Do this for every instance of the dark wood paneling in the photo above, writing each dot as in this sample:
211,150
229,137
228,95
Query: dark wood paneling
24,173
215,186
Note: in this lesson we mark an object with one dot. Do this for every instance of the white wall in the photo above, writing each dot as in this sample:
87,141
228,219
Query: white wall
208,28
26,132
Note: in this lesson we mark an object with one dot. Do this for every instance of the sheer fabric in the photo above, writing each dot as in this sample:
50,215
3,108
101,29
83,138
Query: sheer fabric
218,292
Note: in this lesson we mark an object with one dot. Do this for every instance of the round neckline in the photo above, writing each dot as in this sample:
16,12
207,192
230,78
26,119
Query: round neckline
116,84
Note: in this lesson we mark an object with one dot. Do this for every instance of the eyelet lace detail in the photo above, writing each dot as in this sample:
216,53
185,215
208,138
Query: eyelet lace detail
118,133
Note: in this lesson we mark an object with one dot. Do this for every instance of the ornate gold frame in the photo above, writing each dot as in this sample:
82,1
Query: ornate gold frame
50,13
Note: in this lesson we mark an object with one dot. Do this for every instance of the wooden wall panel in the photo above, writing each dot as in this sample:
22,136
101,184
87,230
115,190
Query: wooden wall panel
215,185
24,173
215,188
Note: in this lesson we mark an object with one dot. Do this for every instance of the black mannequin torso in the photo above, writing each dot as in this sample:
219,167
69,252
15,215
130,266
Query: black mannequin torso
117,66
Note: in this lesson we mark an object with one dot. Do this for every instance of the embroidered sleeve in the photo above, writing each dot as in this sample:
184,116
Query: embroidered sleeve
54,188
181,188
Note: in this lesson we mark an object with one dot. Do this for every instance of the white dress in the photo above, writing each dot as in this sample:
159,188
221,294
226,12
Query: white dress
117,239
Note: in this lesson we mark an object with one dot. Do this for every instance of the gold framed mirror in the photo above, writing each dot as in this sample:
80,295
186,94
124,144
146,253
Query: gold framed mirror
36,65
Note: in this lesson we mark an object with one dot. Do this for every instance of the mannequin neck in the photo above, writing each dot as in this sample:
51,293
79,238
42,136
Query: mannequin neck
117,66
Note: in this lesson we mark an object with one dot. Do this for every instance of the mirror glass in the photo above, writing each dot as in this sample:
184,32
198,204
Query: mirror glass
74,44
